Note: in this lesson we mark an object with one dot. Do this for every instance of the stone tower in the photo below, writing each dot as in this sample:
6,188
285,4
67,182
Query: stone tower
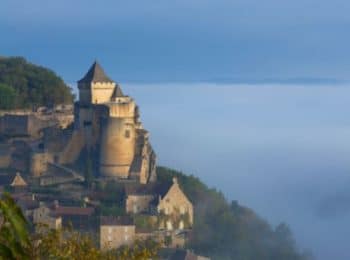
110,122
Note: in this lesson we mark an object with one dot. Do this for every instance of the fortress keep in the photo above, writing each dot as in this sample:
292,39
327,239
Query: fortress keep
109,121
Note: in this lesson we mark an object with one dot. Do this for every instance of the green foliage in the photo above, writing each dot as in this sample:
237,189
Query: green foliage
113,199
231,231
145,222
111,210
14,235
8,96
31,85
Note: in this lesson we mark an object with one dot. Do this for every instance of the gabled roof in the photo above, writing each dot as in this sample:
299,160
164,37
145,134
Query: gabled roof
12,179
18,181
174,188
95,74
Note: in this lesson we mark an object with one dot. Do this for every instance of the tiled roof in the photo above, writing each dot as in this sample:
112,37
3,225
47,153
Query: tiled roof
117,92
13,179
95,74
73,211
18,181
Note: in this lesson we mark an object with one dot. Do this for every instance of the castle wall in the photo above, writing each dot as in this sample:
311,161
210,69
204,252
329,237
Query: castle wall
101,92
5,160
84,94
38,164
117,147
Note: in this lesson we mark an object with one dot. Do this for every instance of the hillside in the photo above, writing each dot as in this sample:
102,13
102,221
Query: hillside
25,85
224,230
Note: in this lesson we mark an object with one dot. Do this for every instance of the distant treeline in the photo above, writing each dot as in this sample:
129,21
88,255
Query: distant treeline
25,85
225,230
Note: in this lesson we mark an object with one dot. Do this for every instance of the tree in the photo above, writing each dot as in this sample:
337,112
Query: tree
7,97
32,85
14,235
223,230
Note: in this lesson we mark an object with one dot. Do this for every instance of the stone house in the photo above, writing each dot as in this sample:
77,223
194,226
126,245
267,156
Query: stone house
116,232
175,208
169,203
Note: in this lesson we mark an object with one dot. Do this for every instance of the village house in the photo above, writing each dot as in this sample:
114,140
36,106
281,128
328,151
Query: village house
80,218
170,204
116,232
176,208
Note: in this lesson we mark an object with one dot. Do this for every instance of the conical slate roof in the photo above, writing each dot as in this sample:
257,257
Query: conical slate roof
95,74
117,92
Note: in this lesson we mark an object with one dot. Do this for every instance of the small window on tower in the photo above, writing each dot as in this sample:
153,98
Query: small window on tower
127,133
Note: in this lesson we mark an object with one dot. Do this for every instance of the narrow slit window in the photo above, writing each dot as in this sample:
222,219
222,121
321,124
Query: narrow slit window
127,133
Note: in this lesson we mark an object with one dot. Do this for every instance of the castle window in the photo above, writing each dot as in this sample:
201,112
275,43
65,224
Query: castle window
127,133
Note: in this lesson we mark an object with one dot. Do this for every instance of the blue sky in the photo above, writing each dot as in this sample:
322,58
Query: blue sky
181,40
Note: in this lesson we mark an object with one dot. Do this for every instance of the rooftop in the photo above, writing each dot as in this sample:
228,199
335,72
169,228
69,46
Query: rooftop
73,211
95,74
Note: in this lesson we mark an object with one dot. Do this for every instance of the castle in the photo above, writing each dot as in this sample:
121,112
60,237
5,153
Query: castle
105,137
106,125
109,121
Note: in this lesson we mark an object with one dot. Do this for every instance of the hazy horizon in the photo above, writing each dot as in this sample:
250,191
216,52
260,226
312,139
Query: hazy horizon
278,149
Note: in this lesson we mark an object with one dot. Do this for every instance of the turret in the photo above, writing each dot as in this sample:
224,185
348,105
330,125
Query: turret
118,138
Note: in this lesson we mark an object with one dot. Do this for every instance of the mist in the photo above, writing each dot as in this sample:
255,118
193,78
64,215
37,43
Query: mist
280,149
